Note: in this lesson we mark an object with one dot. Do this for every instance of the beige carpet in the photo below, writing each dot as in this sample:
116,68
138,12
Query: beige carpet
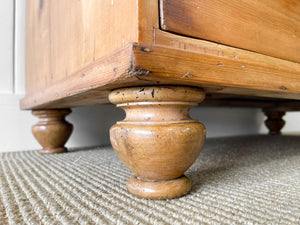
240,180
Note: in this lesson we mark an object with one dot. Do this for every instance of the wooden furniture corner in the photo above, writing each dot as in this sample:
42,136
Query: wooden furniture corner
155,59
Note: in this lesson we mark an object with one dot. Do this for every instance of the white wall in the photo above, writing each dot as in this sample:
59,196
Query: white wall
7,47
91,123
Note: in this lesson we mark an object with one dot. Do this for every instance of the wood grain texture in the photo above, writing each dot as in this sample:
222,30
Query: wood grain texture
88,86
249,74
148,20
219,74
159,189
73,64
37,45
52,131
268,27
64,36
157,140
211,48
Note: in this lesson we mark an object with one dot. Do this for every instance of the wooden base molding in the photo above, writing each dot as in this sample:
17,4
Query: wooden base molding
274,121
52,131
165,189
157,141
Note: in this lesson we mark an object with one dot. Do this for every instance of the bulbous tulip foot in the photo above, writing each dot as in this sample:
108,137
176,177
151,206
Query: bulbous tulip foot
274,121
157,141
52,131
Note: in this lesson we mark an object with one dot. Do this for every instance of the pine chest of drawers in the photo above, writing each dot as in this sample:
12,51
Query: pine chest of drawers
156,59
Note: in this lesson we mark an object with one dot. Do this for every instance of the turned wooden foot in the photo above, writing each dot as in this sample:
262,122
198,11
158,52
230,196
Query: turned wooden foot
274,121
157,141
52,131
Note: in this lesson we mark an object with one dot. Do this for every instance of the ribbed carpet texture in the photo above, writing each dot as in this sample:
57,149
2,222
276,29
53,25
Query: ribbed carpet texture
238,180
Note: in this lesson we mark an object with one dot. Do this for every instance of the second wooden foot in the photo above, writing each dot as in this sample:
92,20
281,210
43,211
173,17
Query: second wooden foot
274,121
52,131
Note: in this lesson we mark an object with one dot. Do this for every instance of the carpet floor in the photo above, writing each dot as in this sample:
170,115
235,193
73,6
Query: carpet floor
238,180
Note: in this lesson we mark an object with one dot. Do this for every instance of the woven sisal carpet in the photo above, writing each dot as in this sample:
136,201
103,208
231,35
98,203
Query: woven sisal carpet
240,180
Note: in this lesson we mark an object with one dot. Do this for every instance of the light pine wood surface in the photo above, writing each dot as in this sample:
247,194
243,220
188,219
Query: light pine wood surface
74,64
267,27
141,64
157,141
64,36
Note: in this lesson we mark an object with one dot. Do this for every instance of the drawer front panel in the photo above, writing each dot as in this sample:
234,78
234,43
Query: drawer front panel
266,26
